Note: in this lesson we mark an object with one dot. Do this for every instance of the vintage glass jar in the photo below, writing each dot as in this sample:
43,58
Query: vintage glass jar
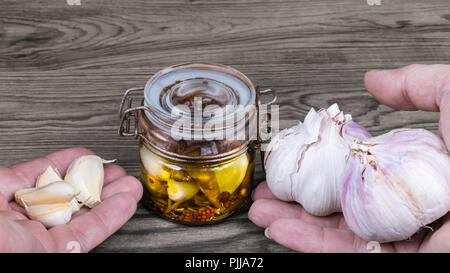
197,126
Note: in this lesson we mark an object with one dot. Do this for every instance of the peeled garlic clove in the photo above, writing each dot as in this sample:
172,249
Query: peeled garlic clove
49,176
181,191
86,175
56,192
51,215
230,175
395,184
152,164
305,163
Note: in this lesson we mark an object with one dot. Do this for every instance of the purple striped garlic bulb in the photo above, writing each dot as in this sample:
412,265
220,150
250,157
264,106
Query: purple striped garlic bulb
395,184
306,163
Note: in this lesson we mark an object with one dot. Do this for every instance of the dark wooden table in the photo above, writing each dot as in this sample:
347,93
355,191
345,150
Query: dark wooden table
63,70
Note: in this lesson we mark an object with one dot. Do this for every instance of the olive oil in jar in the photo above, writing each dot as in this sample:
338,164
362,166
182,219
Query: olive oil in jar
195,192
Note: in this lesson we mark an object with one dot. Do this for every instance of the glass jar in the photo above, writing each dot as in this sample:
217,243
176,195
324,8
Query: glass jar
197,126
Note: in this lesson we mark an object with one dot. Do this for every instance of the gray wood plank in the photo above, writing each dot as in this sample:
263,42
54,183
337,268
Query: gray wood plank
63,70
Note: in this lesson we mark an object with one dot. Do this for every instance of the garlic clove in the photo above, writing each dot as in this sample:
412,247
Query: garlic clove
181,191
51,215
56,192
305,163
49,176
18,194
230,176
152,164
280,160
395,184
86,175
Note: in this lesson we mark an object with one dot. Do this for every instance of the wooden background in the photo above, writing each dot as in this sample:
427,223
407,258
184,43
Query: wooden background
63,70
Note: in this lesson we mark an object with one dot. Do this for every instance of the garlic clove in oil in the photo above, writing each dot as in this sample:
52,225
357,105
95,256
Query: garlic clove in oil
56,192
230,175
305,163
49,176
181,191
153,165
395,184
51,215
86,175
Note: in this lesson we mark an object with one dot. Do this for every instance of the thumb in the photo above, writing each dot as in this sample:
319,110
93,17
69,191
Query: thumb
414,87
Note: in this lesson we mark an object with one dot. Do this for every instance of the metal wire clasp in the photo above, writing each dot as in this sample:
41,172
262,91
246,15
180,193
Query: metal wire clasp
127,113
267,117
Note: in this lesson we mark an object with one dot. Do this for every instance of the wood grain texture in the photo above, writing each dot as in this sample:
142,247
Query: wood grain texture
63,70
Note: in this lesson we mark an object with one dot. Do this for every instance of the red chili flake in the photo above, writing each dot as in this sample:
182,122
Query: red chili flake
208,211
227,205
213,211
232,203
150,180
165,186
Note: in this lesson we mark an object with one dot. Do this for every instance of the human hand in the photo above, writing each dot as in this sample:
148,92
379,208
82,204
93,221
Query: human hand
87,229
415,87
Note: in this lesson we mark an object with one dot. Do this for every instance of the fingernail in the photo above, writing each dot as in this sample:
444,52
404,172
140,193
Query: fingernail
266,233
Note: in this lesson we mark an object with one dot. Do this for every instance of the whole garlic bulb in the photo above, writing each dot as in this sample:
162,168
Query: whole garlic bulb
306,163
395,184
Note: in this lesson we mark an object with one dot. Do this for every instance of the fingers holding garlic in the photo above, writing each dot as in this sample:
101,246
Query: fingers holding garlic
54,200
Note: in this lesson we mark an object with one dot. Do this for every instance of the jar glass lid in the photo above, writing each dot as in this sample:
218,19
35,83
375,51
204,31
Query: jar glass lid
201,93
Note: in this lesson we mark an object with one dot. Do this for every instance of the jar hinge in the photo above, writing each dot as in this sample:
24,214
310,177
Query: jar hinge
128,114
267,118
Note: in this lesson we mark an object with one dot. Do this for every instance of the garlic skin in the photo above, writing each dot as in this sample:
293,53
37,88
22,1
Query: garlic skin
18,194
56,192
306,163
50,215
86,175
52,175
49,176
395,184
